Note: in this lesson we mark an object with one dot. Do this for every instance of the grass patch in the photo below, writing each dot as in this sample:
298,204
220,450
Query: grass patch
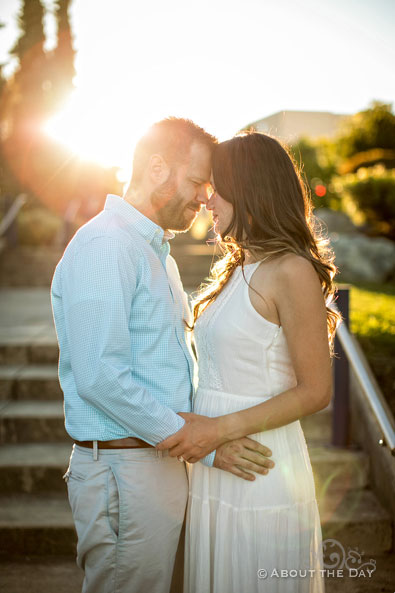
372,320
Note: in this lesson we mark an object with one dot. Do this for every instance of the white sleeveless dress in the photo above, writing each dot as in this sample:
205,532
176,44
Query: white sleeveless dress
235,527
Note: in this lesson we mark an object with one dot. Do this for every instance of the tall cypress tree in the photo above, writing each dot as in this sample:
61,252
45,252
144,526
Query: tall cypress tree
31,75
62,59
2,81
32,37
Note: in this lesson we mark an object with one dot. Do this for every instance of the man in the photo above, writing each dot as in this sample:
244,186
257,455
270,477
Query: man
126,368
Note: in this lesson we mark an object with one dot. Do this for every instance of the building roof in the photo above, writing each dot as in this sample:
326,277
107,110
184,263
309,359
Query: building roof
291,125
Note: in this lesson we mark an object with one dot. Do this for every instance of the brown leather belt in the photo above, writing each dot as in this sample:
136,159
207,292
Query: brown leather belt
127,443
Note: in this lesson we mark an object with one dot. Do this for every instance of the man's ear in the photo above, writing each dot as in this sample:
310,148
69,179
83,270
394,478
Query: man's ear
158,169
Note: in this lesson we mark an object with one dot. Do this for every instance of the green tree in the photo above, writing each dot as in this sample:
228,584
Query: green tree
30,84
366,149
368,197
8,183
62,58
2,79
316,160
369,129
32,37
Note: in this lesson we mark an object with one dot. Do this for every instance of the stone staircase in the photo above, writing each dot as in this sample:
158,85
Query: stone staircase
37,538
34,266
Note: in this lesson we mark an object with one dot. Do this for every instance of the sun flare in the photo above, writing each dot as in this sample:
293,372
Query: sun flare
93,133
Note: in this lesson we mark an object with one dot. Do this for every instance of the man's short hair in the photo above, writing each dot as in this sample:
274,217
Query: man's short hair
172,138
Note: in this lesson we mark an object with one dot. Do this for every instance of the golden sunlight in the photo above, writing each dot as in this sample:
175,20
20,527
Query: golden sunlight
89,133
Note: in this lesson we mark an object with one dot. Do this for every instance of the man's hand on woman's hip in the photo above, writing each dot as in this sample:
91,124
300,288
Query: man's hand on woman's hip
197,438
241,455
200,435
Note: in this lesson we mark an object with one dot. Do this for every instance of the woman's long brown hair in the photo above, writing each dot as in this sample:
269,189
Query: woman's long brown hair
272,216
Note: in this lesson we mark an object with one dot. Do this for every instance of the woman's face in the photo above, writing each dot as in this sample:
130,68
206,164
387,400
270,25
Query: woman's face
222,211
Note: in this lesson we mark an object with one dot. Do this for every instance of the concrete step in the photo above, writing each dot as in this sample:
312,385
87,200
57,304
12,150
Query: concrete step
24,350
27,332
39,467
381,581
318,426
28,266
47,574
357,520
338,469
34,267
42,525
39,525
32,422
33,468
30,382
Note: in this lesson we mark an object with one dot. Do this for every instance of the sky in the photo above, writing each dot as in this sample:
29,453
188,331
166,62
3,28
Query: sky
222,63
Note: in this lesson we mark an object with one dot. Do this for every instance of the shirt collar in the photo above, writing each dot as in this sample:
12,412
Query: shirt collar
152,233
167,236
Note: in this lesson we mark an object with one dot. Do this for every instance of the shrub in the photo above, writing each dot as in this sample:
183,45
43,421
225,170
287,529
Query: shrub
372,128
38,226
368,197
316,161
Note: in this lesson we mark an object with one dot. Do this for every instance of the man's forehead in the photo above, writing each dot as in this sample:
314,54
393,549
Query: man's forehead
200,162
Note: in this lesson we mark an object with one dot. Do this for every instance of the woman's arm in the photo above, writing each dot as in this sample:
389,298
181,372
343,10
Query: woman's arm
299,301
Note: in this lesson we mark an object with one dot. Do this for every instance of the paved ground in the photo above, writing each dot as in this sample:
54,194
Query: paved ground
57,575
61,575
25,314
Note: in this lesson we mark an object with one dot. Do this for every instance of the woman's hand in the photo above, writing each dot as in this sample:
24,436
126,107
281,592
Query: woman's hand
197,438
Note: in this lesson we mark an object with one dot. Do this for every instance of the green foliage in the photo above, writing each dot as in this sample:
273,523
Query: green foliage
62,57
373,311
366,145
368,158
372,128
30,22
38,226
372,320
368,197
316,160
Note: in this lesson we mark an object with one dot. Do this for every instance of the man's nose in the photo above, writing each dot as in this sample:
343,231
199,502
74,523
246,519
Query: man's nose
202,196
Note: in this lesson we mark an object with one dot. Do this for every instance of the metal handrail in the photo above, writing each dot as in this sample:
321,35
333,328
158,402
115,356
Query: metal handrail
369,386
12,213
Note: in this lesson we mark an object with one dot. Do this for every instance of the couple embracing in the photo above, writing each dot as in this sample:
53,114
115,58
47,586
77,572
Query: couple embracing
150,444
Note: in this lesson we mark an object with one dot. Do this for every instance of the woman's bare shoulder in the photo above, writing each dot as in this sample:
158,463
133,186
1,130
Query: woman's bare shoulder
288,272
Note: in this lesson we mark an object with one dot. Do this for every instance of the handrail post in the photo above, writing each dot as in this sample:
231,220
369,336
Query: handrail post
341,402
8,225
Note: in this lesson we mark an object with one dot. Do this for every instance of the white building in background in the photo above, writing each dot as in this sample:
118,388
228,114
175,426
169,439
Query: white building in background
291,125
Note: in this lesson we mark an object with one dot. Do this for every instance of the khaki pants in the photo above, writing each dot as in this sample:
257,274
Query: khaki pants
128,508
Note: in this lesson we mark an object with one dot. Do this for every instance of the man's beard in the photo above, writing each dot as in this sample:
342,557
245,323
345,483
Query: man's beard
170,208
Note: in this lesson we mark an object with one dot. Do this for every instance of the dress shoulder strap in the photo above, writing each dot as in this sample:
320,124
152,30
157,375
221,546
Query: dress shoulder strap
249,269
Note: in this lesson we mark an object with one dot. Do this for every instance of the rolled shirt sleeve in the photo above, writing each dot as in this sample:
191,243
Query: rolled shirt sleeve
209,459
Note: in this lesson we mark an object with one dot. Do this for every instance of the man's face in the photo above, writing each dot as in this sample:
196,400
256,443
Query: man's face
178,200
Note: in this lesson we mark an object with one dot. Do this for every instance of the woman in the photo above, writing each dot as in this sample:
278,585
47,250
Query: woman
263,334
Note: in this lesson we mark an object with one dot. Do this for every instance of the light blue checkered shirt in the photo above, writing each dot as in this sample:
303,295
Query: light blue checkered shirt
125,365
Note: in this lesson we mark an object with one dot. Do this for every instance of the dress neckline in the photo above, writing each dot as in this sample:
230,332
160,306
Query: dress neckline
254,263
